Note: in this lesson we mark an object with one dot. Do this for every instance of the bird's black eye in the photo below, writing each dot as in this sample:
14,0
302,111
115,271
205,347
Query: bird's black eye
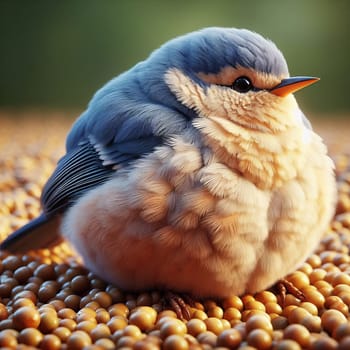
242,84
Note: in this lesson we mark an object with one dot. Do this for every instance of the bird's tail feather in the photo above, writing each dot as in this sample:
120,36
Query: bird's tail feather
39,233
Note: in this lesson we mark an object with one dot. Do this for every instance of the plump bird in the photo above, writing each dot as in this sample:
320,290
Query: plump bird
194,171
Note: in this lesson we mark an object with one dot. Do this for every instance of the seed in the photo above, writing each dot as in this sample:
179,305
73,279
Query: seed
117,323
22,274
78,340
80,283
50,342
195,327
63,333
298,333
26,317
118,310
232,313
48,322
287,344
103,299
102,315
341,331
229,338
30,336
172,326
208,338
144,317
105,343
100,331
8,339
233,301
175,342
331,319
324,343
259,339
259,322
45,272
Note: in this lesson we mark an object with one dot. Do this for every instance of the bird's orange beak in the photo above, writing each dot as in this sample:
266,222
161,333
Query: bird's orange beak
289,85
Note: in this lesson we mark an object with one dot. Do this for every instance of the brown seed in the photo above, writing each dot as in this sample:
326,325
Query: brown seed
341,331
232,313
100,331
72,301
324,343
80,284
67,323
298,333
102,315
172,326
22,274
229,338
8,339
132,331
47,291
259,339
105,343
207,338
118,310
12,262
259,322
344,344
3,312
30,336
86,326
26,317
175,342
66,313
299,279
103,299
312,323
50,342
287,344
26,294
78,340
279,322
45,272
117,323
297,315
63,333
255,305
314,297
214,325
48,322
331,319
144,317
195,327
233,301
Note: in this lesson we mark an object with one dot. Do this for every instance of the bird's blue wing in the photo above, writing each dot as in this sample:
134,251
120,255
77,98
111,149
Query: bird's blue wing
89,165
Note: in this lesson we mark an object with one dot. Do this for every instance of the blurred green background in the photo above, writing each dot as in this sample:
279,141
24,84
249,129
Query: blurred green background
55,54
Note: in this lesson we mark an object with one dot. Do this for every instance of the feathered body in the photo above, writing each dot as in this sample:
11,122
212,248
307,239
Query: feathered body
183,183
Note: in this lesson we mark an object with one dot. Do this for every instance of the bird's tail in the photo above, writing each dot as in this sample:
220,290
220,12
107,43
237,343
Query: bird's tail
39,233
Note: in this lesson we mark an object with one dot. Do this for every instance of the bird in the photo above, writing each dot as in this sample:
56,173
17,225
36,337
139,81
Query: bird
194,171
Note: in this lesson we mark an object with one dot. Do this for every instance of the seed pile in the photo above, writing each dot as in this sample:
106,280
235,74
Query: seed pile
49,301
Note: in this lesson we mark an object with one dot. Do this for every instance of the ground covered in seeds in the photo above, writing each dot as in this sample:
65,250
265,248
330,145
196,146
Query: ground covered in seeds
49,301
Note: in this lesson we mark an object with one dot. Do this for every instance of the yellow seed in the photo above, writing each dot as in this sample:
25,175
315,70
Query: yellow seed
229,338
195,327
26,317
172,326
30,336
298,333
260,339
50,342
78,340
100,331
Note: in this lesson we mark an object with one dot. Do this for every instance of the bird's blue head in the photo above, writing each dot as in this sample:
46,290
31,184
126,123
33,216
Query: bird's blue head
214,60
